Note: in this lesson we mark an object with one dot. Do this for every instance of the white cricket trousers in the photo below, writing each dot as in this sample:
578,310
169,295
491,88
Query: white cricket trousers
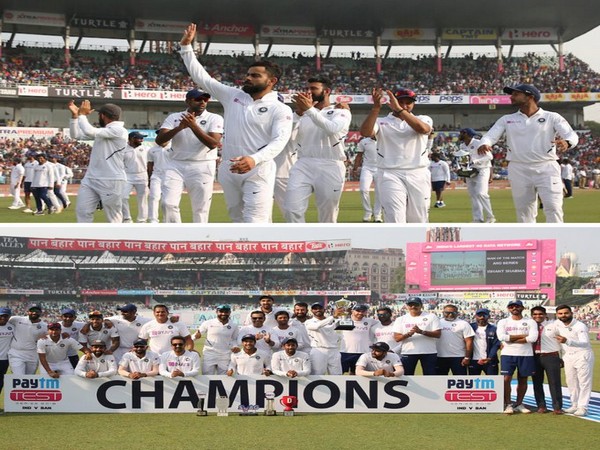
92,191
405,194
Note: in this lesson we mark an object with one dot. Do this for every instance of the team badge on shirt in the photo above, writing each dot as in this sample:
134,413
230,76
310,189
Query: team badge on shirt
61,345
541,120
330,112
263,109
170,327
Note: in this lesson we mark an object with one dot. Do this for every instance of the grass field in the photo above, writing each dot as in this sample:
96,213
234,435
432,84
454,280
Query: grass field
313,431
583,208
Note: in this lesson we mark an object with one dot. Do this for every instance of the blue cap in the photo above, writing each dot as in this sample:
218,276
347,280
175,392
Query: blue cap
482,312
196,93
137,135
469,132
316,305
223,308
360,308
515,302
5,312
129,307
34,306
415,300
249,337
68,311
140,341
528,89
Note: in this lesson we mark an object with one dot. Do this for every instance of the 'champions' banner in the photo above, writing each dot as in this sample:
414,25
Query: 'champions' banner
315,394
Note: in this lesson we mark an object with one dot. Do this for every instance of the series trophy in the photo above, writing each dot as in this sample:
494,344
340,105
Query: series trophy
290,402
222,404
345,323
201,403
248,410
269,404
465,164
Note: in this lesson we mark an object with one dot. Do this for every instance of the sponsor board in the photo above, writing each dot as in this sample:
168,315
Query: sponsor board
281,31
34,18
100,23
160,26
408,34
84,92
226,29
316,394
530,34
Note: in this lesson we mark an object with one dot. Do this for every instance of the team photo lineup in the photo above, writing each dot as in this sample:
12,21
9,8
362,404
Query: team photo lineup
262,152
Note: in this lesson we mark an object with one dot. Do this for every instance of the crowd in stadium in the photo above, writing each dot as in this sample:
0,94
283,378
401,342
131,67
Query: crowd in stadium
469,74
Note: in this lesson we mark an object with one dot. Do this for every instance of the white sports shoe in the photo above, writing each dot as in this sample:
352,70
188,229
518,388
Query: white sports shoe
509,410
580,412
491,220
571,409
522,409
28,210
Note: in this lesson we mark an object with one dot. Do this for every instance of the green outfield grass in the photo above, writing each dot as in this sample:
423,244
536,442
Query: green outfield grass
583,208
313,431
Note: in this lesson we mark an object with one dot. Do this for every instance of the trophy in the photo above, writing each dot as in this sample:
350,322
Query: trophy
345,323
201,402
248,410
269,400
222,404
465,164
289,401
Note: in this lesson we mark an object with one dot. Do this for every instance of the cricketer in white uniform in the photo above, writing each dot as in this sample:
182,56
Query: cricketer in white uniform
455,345
383,331
17,175
355,342
64,175
258,128
71,328
158,161
128,326
140,363
366,161
135,159
266,306
179,362
532,153
53,352
6,336
477,185
221,339
379,362
403,177
440,178
261,332
195,136
22,355
161,330
325,356
97,330
58,199
289,362
105,175
250,360
284,331
29,165
517,335
418,331
42,184
322,128
578,357
96,364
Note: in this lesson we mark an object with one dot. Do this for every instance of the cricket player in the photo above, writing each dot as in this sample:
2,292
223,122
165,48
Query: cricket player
258,128
355,342
250,360
195,136
221,340
532,153
289,362
284,330
485,345
325,356
578,357
135,159
384,330
6,337
97,330
53,352
161,330
365,163
179,362
17,175
29,165
128,326
158,160
455,345
140,363
71,328
379,362
22,355
105,177
259,330
265,303
322,128
96,364
517,335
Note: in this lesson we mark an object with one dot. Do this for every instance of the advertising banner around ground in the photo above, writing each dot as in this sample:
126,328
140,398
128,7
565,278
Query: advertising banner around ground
315,394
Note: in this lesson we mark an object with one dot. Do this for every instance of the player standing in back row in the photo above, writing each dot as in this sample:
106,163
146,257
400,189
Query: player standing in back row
258,128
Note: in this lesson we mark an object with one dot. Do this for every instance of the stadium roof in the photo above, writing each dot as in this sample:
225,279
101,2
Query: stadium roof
572,18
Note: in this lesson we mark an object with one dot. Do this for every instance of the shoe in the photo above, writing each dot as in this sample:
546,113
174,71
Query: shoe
437,205
509,410
558,412
38,213
28,210
442,205
490,220
580,412
126,220
570,196
571,409
367,218
378,219
140,221
14,207
522,409
542,410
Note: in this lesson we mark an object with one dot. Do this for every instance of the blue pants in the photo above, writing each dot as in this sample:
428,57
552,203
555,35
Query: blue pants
428,363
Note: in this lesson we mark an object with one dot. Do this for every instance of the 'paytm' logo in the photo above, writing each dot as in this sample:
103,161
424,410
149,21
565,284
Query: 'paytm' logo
36,390
471,390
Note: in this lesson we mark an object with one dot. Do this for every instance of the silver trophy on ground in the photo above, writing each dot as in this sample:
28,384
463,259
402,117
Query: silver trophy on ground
269,404
345,322
222,404
201,403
